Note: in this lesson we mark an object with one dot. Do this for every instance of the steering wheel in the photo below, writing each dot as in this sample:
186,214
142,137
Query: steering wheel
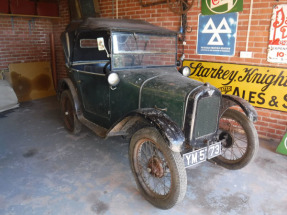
132,57
105,69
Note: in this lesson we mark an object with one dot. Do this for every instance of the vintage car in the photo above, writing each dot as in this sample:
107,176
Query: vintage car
123,80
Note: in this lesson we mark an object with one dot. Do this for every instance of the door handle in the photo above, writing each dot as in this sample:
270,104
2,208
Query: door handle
161,109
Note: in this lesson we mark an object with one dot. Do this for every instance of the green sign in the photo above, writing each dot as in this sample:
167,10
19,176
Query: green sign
282,148
210,7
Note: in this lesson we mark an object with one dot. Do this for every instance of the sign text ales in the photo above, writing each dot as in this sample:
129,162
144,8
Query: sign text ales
264,87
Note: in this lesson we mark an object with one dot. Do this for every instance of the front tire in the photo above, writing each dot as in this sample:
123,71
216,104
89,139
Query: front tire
239,140
159,172
69,114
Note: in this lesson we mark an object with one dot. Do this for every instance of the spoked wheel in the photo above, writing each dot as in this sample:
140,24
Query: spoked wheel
179,6
239,140
158,171
68,113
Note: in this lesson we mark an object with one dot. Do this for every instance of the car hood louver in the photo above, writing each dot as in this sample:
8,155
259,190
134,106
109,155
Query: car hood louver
168,93
168,85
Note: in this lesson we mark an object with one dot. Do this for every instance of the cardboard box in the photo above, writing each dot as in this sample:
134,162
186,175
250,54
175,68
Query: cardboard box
25,7
4,6
47,9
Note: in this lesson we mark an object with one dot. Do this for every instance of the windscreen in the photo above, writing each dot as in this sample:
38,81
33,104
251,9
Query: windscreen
131,50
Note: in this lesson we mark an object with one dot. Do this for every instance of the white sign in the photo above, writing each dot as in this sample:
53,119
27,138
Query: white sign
277,48
101,43
222,28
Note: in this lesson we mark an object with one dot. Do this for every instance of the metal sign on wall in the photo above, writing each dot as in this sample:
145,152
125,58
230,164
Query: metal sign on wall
277,48
217,34
263,87
209,7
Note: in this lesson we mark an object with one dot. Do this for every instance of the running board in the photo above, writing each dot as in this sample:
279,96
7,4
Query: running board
100,131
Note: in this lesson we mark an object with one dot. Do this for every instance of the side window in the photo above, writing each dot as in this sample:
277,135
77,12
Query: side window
88,51
86,48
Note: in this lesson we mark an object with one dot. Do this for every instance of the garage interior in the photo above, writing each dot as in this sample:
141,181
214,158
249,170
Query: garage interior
44,169
47,170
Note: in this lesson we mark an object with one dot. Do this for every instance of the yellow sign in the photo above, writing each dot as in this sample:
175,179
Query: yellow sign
263,87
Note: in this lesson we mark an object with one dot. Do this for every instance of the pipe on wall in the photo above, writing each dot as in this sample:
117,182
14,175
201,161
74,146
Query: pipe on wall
249,24
53,59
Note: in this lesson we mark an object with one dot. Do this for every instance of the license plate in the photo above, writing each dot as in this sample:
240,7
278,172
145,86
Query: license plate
202,154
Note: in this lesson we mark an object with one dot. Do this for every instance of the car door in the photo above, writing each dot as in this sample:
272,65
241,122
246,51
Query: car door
95,93
92,82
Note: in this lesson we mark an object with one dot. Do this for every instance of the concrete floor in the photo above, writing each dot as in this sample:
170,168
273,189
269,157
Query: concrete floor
45,170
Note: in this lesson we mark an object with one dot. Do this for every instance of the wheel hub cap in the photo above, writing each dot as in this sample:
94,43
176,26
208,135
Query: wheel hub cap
226,138
155,167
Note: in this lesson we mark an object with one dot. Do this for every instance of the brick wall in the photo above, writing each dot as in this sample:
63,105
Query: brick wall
58,27
271,124
24,40
27,39
162,16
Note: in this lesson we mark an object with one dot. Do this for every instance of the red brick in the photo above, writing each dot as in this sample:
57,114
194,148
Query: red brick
262,123
279,115
268,130
278,126
269,119
281,133
275,136
261,133
282,122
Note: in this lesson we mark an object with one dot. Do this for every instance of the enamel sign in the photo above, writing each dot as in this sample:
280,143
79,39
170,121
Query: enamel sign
210,7
277,48
263,87
217,34
282,148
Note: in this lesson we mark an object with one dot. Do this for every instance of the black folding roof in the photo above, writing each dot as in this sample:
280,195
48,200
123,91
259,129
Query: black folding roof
140,26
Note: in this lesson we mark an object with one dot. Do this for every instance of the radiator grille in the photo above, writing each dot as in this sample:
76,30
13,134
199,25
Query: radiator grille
206,118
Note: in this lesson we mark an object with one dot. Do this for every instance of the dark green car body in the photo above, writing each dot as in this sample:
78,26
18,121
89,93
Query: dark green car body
123,81
185,111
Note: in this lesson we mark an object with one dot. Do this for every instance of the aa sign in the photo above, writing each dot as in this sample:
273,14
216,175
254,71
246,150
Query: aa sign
264,87
216,34
277,48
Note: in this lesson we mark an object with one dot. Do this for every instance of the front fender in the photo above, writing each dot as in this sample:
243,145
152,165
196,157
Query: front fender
67,84
231,100
167,128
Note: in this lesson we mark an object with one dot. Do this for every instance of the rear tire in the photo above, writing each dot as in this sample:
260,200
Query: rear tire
69,114
159,172
239,140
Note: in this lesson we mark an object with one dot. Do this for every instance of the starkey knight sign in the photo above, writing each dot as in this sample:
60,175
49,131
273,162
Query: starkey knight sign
210,7
263,87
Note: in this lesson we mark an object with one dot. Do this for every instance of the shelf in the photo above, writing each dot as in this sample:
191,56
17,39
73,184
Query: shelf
29,16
